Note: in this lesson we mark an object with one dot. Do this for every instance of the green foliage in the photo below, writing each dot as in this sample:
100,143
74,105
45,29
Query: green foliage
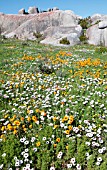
83,38
104,164
10,149
101,50
37,35
64,41
54,98
48,69
98,21
91,163
85,23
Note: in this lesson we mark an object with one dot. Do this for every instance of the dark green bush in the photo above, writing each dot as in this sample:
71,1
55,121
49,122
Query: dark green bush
98,21
101,49
83,38
64,41
85,23
48,69
37,34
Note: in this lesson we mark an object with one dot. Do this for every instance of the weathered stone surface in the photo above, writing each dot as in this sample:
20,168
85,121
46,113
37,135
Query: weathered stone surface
33,10
97,18
21,11
54,25
102,25
49,9
55,8
10,22
57,33
97,33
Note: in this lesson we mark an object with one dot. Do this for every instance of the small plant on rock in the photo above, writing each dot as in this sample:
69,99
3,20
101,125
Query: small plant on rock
83,38
85,23
37,34
64,41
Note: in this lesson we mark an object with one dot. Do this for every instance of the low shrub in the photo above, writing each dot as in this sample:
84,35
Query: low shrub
101,50
37,34
46,69
83,38
85,23
64,41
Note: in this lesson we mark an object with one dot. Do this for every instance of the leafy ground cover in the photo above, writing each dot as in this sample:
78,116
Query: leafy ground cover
53,107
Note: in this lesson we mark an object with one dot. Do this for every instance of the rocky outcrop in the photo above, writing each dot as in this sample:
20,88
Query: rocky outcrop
98,17
54,25
102,25
97,33
21,11
33,10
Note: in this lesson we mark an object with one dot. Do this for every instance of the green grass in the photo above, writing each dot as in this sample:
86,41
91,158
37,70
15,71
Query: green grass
53,106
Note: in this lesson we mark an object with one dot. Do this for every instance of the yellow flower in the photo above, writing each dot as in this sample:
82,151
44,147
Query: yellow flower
54,118
65,118
25,129
67,147
16,122
37,110
10,87
21,84
80,126
55,145
30,126
62,103
11,119
34,118
71,119
55,126
17,85
3,128
28,119
15,131
14,116
106,88
54,92
28,111
58,140
38,144
43,113
70,71
14,127
9,127
22,118
70,127
6,116
23,126
67,132
3,137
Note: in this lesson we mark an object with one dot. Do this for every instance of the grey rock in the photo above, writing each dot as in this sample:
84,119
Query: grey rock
21,11
33,10
97,36
97,18
97,33
49,9
102,25
55,8
54,25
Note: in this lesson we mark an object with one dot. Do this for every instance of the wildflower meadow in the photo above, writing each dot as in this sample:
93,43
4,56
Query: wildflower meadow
53,107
